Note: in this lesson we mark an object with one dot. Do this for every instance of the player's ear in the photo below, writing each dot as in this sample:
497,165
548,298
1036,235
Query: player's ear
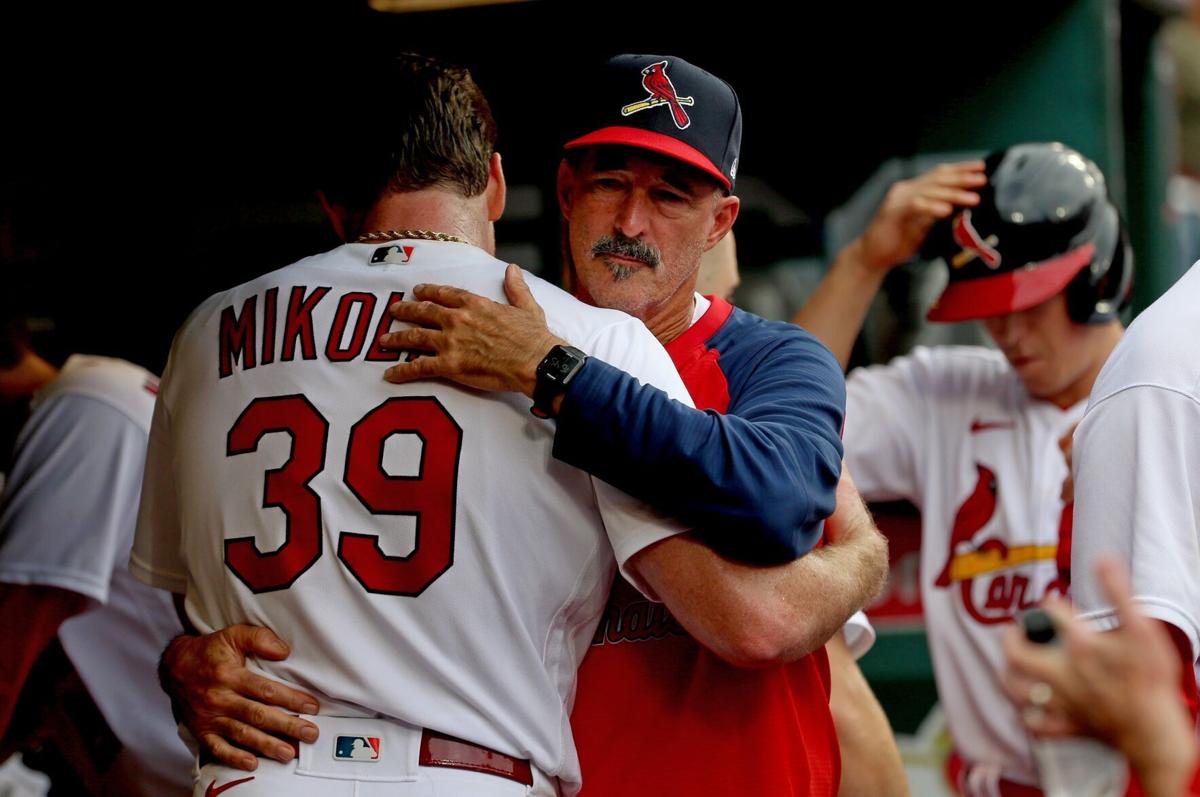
335,213
496,192
725,212
565,185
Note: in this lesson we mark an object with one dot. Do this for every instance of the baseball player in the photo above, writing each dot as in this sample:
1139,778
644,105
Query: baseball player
1036,249
66,527
1136,476
664,195
359,450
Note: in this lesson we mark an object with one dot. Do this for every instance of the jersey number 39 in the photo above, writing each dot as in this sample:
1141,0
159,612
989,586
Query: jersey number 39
429,496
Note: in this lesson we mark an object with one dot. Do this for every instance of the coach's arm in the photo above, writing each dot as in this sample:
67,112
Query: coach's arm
758,616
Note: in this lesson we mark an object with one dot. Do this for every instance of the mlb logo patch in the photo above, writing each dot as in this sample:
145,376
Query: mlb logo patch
356,748
395,254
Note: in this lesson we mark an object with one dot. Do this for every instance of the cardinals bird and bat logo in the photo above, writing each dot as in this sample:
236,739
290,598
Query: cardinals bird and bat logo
973,244
662,93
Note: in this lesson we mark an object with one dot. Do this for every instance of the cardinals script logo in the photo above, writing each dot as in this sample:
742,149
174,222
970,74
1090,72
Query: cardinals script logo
662,92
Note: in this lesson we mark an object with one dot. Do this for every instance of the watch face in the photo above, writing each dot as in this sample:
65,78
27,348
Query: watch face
559,363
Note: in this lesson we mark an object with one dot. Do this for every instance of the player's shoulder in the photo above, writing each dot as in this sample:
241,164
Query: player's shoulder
312,272
122,385
951,372
579,322
1158,349
326,264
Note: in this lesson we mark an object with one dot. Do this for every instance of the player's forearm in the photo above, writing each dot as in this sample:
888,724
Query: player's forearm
759,485
838,307
863,731
1164,755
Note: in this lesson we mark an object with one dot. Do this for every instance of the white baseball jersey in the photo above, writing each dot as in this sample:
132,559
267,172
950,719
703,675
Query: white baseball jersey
1137,461
953,430
67,521
418,545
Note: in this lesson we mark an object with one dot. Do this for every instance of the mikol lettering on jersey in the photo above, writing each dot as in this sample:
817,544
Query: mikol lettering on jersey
987,573
250,337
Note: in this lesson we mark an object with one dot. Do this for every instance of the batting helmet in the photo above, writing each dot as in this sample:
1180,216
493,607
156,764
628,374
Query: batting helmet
1044,224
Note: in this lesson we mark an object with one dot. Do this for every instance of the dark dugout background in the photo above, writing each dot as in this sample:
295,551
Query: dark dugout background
154,155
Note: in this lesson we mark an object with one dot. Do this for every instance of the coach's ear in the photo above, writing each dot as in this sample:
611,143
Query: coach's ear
496,192
725,213
565,186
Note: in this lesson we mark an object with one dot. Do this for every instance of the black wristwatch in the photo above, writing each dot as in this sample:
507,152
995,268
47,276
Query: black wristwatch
554,373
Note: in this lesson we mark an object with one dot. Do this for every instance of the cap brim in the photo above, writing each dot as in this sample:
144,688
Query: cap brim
1012,291
655,142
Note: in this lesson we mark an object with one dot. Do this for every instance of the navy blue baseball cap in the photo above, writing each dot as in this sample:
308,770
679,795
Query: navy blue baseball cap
665,105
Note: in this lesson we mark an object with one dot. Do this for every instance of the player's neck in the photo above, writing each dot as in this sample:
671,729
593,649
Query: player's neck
435,210
1105,339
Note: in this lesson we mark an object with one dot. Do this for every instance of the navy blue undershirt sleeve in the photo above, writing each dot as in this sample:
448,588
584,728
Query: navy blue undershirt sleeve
756,482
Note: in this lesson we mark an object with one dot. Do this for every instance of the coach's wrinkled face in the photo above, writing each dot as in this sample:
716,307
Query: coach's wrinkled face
637,225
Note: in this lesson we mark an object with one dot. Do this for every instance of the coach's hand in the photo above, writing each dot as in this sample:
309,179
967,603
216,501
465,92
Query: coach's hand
472,340
228,708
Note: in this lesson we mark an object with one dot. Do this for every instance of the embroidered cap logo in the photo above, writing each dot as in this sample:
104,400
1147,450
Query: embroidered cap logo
662,92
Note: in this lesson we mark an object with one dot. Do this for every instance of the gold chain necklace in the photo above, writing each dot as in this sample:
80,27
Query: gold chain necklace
399,235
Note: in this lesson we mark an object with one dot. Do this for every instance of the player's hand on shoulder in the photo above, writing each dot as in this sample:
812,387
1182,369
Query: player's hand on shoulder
232,712
470,339
911,207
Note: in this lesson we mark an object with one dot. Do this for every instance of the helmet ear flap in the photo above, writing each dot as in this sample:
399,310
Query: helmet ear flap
1101,291
1081,297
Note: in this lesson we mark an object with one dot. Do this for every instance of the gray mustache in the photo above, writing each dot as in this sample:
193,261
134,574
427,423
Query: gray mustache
627,247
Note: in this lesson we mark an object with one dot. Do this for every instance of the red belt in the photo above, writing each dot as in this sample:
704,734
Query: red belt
439,750
956,773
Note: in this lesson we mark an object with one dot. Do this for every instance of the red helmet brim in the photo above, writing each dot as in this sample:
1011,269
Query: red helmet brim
1012,291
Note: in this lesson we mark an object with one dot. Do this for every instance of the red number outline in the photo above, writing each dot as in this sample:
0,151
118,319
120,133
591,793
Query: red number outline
279,569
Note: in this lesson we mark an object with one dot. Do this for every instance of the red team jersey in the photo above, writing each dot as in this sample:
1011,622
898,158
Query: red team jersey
656,713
